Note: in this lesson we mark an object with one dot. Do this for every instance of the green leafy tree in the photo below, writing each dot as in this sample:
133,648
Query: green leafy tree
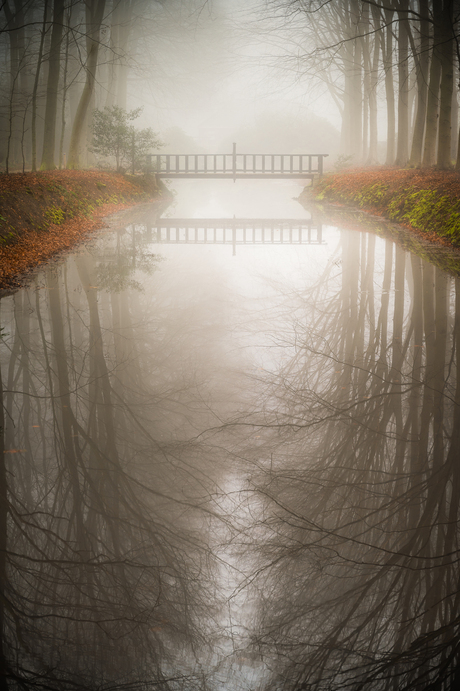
115,137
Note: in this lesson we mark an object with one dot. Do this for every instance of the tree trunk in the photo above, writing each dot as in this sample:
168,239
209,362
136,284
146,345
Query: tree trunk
357,90
364,33
447,86
454,139
373,108
94,14
117,68
403,85
65,89
35,88
15,24
457,165
412,103
123,38
387,52
54,63
345,132
74,69
431,130
422,60
112,61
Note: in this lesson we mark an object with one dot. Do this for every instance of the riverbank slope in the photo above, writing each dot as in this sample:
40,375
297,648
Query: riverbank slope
427,201
43,214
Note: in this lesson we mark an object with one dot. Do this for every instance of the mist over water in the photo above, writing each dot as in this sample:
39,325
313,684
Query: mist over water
232,466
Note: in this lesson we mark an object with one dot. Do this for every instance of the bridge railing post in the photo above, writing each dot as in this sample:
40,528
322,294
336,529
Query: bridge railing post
320,165
321,158
234,162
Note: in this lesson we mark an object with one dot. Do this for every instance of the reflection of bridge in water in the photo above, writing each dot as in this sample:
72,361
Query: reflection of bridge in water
236,231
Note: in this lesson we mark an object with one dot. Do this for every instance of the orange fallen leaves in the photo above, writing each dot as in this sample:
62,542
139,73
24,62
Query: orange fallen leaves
26,198
445,181
37,247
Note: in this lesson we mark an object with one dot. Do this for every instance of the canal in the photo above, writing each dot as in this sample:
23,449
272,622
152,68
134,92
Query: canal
232,465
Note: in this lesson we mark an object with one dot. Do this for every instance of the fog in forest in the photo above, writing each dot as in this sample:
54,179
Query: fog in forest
202,73
364,82
230,424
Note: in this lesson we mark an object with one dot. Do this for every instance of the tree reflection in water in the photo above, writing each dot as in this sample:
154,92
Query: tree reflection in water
121,532
105,567
358,579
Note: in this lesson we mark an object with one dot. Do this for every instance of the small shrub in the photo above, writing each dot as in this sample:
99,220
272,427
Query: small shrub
343,161
114,137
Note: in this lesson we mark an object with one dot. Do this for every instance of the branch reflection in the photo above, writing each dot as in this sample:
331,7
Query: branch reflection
106,571
360,488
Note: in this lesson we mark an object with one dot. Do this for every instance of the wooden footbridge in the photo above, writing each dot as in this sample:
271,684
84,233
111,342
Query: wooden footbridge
235,231
237,166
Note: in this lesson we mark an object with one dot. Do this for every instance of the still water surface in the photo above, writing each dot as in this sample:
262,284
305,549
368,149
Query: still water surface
232,466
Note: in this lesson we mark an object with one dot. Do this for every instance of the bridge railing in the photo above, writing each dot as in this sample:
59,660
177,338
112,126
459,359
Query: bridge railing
237,165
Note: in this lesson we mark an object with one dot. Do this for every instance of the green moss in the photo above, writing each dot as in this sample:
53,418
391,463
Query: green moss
371,195
367,195
424,209
88,210
427,210
56,187
6,238
55,215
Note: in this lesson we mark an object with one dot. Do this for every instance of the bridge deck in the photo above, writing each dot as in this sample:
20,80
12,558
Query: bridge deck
237,166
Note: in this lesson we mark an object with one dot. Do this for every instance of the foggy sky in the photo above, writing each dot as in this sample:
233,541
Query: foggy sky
218,68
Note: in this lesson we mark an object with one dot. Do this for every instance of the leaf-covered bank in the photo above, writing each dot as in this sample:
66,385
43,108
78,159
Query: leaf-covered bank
43,214
427,201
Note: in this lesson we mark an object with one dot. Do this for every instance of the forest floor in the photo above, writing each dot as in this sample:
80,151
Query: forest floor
424,201
44,214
